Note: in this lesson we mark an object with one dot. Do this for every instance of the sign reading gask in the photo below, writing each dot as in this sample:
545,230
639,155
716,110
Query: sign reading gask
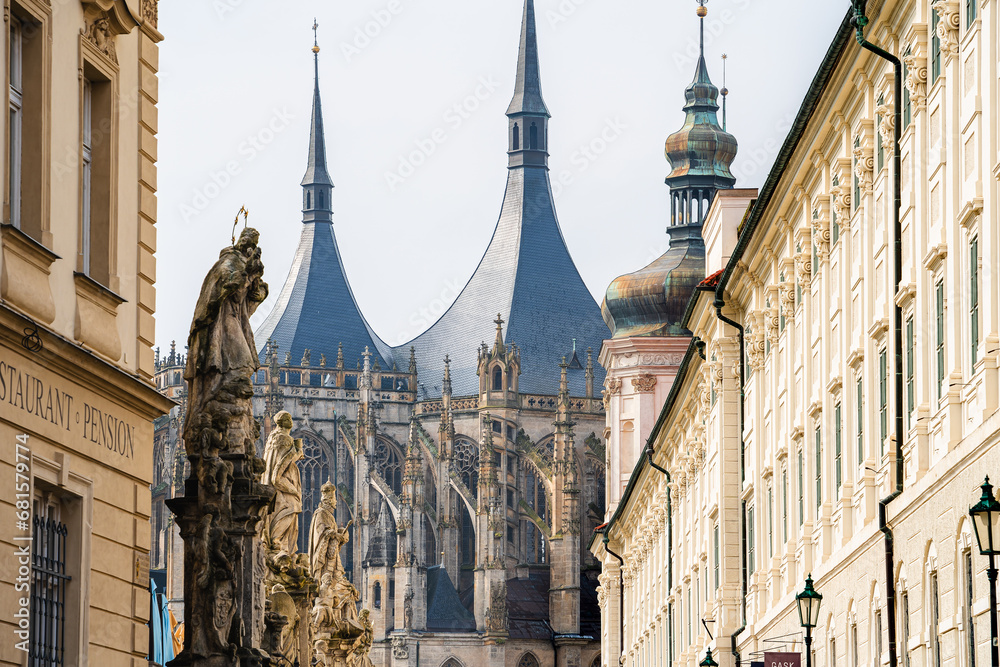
782,660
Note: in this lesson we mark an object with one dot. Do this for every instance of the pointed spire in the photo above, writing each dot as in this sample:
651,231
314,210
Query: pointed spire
446,382
498,347
413,361
563,385
316,173
528,84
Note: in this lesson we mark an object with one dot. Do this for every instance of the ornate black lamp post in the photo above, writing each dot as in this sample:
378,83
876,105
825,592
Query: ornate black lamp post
808,602
986,520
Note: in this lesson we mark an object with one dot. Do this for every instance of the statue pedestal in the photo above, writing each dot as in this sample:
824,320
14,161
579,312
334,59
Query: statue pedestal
333,652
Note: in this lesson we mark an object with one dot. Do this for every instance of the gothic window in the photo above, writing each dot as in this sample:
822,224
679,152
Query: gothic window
536,548
528,660
321,199
308,199
452,663
517,137
377,595
533,137
430,543
315,470
468,539
497,379
430,489
466,464
387,463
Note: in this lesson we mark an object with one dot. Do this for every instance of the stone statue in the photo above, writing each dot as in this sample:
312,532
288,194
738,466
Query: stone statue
223,501
408,608
282,603
357,655
281,453
326,539
222,355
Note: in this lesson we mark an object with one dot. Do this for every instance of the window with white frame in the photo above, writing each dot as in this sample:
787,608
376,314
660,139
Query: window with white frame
16,116
939,335
974,300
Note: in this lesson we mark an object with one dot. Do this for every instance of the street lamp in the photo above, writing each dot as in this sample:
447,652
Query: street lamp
708,661
808,602
986,520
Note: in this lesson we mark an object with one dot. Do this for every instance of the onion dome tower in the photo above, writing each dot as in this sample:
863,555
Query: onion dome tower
651,301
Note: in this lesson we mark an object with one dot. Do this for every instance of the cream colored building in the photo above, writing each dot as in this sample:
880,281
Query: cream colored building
76,328
734,523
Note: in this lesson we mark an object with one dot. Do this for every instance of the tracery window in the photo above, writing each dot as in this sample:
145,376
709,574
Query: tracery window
466,464
387,464
315,471
528,660
534,496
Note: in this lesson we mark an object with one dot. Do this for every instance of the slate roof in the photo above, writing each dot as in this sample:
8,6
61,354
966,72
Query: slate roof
445,612
529,278
316,307
528,607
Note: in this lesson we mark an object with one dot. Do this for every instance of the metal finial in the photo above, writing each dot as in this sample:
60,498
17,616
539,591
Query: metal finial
702,10
315,48
724,91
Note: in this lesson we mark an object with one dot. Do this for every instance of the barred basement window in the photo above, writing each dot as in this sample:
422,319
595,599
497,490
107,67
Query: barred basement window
48,587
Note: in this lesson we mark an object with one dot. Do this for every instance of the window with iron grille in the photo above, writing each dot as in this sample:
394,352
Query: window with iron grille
49,579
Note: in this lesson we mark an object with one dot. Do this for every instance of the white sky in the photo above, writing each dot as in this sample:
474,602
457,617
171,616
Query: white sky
236,89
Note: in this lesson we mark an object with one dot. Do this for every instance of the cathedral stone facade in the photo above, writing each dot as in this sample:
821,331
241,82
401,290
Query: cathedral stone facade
470,460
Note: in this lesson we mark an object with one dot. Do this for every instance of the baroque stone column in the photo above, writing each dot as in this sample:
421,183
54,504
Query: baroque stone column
224,501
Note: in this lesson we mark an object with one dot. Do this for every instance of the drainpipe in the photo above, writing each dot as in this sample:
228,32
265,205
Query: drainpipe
720,302
670,545
860,21
621,599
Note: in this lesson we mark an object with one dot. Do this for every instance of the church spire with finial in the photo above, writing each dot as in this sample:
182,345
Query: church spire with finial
528,117
317,186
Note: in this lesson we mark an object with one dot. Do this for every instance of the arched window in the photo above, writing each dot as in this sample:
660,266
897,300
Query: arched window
321,200
528,660
387,463
468,537
308,199
533,137
534,496
466,462
451,662
315,471
517,137
377,594
497,379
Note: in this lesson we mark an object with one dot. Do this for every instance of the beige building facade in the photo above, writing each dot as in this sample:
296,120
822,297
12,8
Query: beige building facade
775,453
76,328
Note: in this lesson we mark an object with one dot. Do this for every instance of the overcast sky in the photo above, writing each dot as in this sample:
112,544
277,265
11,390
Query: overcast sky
413,215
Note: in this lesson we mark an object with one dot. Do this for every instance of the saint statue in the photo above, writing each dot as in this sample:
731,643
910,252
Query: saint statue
281,454
326,539
357,656
222,354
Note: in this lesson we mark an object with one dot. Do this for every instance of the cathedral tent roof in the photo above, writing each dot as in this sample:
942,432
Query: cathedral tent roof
445,612
526,274
316,309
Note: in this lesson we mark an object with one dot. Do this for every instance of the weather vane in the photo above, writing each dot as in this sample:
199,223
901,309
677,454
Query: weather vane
245,212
